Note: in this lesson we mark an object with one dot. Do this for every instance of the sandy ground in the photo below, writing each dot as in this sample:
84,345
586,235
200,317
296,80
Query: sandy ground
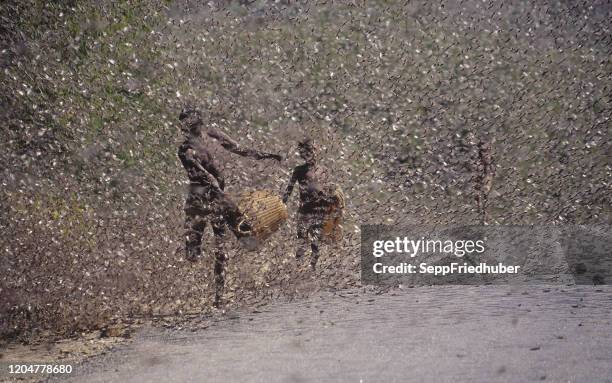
431,334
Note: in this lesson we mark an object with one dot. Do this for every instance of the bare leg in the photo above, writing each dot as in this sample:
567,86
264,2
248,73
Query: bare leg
302,237
194,229
485,199
315,239
220,259
482,199
479,204
314,245
195,214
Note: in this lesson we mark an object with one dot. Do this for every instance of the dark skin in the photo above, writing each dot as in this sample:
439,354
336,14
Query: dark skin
314,201
207,201
309,177
484,177
195,154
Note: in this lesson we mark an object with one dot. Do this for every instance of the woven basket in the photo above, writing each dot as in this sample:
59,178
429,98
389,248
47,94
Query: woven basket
263,213
332,223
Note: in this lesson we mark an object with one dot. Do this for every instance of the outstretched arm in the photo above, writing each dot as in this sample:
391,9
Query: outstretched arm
290,187
229,144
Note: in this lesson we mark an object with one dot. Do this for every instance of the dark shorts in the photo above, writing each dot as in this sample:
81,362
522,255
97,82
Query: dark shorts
205,204
200,201
309,225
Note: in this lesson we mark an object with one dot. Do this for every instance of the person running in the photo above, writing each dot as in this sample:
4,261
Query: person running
316,200
206,200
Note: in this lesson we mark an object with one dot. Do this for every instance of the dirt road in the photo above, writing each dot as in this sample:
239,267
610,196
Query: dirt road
441,334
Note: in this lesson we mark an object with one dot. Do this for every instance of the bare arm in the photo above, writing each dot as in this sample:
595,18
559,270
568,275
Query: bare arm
215,172
229,144
290,187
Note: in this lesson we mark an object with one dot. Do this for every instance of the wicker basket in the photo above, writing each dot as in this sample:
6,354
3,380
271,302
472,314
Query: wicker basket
263,213
332,223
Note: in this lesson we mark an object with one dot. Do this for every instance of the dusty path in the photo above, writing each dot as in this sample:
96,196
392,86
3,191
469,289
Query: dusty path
444,334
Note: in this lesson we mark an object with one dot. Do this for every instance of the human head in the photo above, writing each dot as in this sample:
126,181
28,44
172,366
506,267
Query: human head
485,145
307,150
191,120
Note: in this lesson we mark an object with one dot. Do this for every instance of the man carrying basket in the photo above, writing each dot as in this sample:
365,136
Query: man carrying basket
321,203
206,200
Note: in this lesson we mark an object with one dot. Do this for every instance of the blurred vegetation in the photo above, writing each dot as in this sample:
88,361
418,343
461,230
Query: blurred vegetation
398,95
